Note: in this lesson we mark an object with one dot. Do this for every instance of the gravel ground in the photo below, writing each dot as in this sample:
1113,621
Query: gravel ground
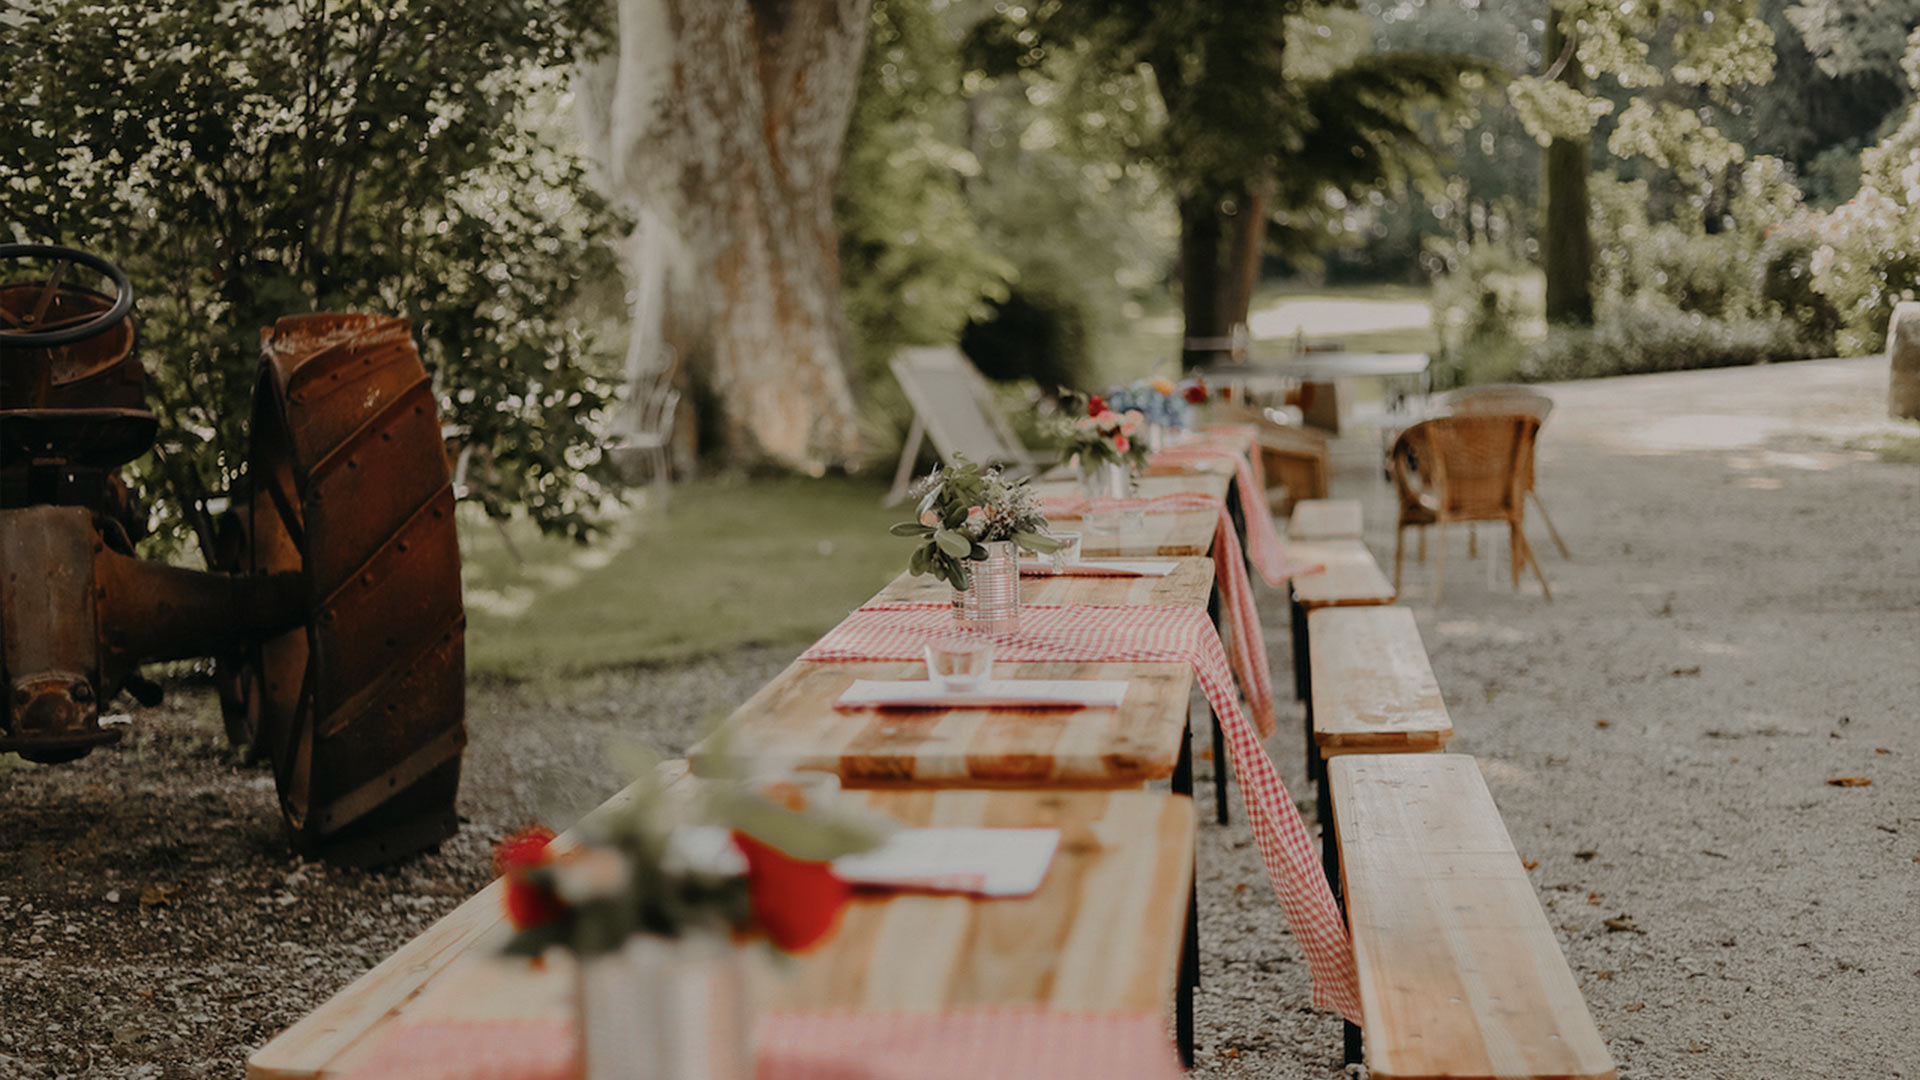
1739,625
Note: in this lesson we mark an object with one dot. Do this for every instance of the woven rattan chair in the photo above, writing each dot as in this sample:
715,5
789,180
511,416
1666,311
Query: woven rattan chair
1503,398
1465,469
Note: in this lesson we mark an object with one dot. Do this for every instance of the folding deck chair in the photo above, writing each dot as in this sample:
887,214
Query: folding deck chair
953,406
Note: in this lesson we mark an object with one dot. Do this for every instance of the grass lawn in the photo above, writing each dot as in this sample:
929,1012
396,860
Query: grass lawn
730,563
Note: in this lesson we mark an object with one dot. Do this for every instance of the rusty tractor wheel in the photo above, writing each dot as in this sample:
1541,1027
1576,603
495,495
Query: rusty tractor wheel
361,709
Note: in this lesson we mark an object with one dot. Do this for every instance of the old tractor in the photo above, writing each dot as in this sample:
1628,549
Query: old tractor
332,610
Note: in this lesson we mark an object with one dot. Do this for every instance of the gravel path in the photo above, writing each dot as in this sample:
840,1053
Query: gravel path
1740,624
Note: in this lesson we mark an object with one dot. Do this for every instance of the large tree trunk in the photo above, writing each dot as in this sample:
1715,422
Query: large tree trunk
1566,241
718,125
1200,279
1249,245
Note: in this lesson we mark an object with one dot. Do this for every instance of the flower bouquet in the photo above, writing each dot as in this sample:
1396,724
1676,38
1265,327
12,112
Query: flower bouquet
654,918
1096,434
970,522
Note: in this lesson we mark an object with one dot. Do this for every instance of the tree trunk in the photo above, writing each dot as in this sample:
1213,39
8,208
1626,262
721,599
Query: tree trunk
718,125
1249,244
1566,241
1200,280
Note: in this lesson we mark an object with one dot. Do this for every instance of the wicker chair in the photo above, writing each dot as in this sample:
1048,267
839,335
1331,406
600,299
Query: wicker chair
1507,399
1465,469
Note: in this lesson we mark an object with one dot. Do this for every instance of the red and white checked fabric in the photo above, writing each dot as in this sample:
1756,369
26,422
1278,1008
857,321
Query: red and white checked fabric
969,1044
1247,647
1147,633
1263,540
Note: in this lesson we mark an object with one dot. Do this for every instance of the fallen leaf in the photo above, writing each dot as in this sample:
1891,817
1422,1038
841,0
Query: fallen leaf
1636,1006
1606,976
156,893
1694,670
1603,723
1851,781
1594,898
1622,923
1585,856
1529,864
1881,750
1715,854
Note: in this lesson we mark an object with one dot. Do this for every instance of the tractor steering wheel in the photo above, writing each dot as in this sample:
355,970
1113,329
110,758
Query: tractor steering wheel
33,330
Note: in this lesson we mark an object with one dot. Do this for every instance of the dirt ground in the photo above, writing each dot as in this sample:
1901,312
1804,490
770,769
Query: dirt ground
1739,625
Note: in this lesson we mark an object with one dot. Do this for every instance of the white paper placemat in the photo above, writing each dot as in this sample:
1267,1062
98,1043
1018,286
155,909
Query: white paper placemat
994,693
981,862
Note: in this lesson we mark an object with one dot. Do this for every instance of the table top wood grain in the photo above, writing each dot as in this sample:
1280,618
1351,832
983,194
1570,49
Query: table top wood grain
1373,687
1351,576
1102,934
1188,586
1325,519
792,724
1186,532
1460,975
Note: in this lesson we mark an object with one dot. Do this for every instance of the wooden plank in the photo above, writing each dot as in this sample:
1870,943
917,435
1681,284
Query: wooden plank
1373,687
1188,532
1188,586
1460,976
1325,519
1351,576
1103,934
791,723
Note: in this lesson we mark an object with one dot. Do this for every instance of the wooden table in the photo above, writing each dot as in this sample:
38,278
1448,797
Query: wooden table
1188,586
1186,532
1103,934
792,723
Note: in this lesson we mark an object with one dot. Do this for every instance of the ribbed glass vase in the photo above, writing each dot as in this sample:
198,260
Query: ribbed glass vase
990,603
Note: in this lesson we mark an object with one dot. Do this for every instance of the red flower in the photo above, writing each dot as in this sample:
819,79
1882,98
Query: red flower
1096,405
795,901
1121,444
1197,393
528,904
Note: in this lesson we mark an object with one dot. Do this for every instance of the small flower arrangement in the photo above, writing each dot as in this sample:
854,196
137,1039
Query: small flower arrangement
1097,433
963,507
1160,400
629,876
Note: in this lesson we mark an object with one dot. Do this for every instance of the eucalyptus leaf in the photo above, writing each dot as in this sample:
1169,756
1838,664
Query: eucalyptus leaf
953,543
1037,542
910,528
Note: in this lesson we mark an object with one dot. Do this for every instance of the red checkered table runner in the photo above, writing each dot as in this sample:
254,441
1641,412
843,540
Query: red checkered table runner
1147,633
1263,540
967,1044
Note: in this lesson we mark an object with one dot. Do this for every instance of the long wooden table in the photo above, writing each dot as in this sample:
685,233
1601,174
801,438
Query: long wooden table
1185,532
792,722
1103,934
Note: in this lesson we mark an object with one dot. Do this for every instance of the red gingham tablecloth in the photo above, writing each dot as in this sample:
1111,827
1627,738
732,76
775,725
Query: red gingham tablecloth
1263,540
969,1044
1086,632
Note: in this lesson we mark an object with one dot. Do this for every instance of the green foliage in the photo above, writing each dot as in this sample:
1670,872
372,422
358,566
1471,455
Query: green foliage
914,265
1856,37
1651,335
1042,331
1869,256
248,162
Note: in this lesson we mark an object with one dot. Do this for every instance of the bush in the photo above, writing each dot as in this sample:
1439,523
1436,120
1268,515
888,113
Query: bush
1652,335
1785,285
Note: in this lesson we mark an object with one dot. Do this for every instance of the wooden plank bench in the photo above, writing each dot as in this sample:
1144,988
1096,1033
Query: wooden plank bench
1460,976
1122,875
1325,519
1351,578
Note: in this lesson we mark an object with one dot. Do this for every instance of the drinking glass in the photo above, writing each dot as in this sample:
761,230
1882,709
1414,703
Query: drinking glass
959,665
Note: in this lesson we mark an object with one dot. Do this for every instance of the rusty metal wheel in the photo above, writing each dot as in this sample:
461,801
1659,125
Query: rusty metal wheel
362,709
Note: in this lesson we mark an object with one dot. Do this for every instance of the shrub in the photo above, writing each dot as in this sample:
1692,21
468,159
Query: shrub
1652,335
1785,286
1041,331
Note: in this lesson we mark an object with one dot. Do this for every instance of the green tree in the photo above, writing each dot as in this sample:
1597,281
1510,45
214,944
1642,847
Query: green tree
1658,55
245,162
1246,135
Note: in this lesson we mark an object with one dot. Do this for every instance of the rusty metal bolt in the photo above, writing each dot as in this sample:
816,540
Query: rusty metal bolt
81,692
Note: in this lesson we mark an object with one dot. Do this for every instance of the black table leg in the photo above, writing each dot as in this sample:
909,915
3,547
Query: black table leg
1183,767
1189,973
1353,1043
1222,768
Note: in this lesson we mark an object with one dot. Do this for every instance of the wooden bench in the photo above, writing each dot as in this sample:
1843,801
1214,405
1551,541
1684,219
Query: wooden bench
1350,578
1325,519
1460,975
1122,875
